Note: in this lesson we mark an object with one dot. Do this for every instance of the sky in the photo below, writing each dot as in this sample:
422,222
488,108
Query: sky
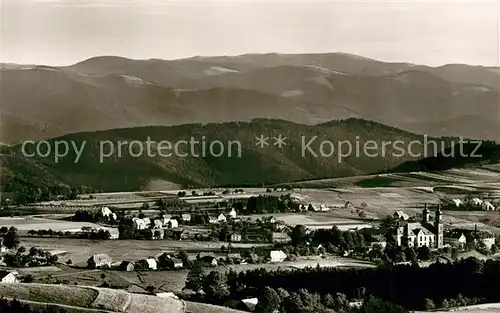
63,32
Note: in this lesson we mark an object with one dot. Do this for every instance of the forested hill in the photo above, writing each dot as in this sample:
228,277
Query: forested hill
469,153
256,166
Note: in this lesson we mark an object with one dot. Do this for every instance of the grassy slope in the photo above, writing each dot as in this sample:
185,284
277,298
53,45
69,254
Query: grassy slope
107,300
255,166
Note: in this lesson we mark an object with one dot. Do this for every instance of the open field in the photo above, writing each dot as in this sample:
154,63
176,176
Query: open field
80,250
23,224
174,281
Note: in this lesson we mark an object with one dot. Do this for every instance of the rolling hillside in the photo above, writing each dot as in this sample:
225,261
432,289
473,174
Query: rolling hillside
100,93
91,299
255,166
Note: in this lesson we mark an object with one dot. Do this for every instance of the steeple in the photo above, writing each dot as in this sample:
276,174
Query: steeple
425,215
438,214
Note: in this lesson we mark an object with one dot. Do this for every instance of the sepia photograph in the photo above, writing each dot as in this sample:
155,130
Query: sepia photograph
266,156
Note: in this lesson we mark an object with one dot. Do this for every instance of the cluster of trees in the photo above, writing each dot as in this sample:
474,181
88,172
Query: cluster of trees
263,204
35,257
15,306
227,290
407,285
303,301
10,237
92,217
29,190
86,233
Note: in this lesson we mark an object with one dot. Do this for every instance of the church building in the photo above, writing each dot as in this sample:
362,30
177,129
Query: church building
424,233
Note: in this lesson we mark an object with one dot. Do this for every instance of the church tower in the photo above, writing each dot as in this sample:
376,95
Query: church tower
439,227
425,215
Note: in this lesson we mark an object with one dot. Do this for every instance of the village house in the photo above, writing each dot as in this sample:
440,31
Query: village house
221,218
165,218
99,261
474,235
3,248
157,234
105,211
186,218
400,215
173,223
235,237
209,260
277,256
152,264
377,240
140,223
455,238
157,223
418,234
280,237
127,266
232,214
8,276
236,257
247,304
175,263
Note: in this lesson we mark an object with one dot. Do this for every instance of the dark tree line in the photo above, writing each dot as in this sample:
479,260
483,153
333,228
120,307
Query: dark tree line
407,285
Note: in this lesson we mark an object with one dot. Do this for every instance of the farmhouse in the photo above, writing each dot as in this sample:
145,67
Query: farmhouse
186,218
175,263
140,223
280,237
99,260
8,277
248,304
173,223
127,266
105,211
152,264
455,238
157,223
209,260
166,218
221,218
476,235
235,237
377,240
277,256
232,214
400,215
487,206
424,233
157,234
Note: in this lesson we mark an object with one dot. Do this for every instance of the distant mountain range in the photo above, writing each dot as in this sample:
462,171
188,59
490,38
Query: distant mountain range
40,102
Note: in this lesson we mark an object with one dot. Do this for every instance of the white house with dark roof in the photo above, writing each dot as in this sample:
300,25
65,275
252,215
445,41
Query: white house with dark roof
152,264
99,260
221,218
278,256
8,276
186,217
232,213
173,223
400,215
